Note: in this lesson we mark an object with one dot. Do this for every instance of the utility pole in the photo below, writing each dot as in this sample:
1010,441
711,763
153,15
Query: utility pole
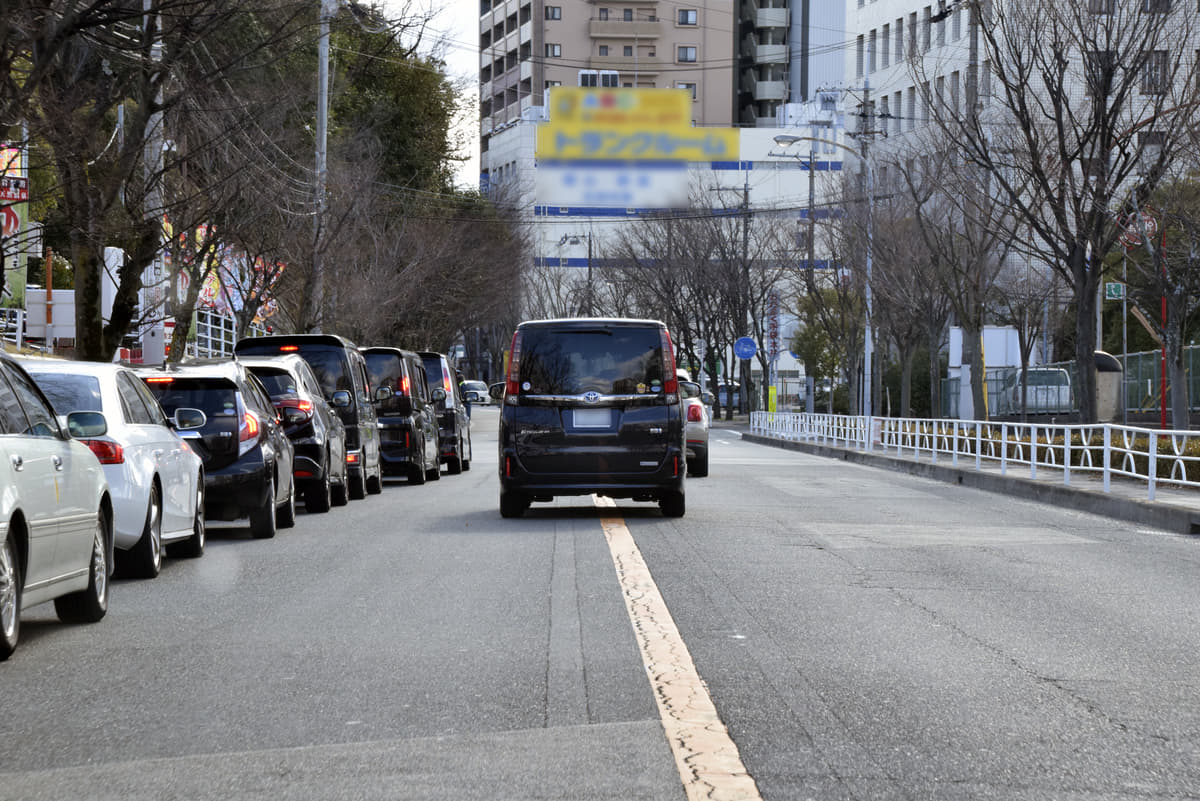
744,400
869,333
314,311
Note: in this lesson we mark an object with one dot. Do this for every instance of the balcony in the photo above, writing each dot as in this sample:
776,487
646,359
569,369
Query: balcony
770,90
771,54
771,18
627,65
620,29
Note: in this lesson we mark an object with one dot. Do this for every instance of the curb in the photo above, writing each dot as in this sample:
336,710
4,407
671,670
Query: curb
1155,514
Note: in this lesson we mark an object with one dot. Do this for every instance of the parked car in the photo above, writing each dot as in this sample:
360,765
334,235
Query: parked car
1048,391
155,479
592,406
247,456
408,421
339,366
474,392
697,419
318,435
454,425
56,513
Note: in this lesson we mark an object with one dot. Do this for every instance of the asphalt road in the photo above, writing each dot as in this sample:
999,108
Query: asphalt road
862,635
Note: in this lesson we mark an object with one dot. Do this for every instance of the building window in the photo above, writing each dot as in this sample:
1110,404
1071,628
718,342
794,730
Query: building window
610,79
627,15
1155,6
1154,73
588,78
553,51
871,51
603,13
860,54
899,40
686,54
885,39
553,12
628,51
1102,6
687,16
1100,69
926,28
604,50
553,83
691,87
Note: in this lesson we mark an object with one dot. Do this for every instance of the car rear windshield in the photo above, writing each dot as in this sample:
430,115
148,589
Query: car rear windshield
611,361
213,396
327,362
387,370
70,393
279,383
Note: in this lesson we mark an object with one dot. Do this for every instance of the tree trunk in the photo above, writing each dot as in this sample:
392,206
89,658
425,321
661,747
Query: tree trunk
1086,281
907,357
1176,374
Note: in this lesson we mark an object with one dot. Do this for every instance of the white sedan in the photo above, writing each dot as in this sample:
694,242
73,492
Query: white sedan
55,511
156,480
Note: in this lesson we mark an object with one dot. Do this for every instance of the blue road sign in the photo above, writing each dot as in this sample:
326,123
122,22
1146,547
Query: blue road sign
744,348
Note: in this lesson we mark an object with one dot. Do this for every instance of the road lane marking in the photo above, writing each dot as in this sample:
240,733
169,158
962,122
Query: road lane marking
705,754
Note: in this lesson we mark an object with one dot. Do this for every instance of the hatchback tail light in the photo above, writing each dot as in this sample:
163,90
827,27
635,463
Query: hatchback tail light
248,432
511,387
107,452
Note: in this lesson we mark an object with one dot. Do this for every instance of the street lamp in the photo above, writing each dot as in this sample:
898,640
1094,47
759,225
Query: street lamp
574,240
785,140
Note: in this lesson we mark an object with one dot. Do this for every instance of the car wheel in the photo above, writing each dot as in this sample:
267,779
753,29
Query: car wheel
193,546
454,464
466,459
145,557
10,598
375,482
318,499
513,504
358,487
672,504
88,606
417,472
286,516
341,491
262,520
698,466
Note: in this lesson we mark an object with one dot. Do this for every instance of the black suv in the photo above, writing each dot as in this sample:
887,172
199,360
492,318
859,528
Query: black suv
247,456
338,366
408,421
454,424
592,406
311,423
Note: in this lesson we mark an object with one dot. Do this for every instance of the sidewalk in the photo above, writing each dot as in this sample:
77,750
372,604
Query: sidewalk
1173,509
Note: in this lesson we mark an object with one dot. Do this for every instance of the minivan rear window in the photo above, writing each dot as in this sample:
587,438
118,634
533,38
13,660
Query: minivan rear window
215,397
611,361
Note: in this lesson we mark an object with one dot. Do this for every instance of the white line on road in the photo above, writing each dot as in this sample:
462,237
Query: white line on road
705,754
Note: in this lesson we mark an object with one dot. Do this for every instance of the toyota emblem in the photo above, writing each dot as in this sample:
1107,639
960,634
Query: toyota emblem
591,397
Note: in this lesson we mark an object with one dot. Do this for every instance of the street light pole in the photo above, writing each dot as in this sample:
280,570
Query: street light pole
315,307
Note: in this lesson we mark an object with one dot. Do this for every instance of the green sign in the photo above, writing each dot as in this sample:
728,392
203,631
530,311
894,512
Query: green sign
1114,291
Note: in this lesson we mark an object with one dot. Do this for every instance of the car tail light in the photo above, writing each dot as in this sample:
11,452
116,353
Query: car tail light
288,348
514,370
107,452
402,385
670,380
695,413
248,432
352,457
303,405
159,379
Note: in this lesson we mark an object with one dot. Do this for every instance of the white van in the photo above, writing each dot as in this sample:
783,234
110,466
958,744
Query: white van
1047,391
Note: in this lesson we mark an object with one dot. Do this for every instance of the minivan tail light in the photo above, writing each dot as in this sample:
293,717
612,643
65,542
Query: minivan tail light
107,452
670,380
514,369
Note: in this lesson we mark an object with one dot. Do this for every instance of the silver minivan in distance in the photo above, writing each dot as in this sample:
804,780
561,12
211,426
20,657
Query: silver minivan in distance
592,406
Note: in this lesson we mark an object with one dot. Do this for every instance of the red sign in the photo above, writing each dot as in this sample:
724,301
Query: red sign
1135,229
14,189
11,221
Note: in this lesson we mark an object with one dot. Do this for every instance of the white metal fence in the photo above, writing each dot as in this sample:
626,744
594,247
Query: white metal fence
1149,456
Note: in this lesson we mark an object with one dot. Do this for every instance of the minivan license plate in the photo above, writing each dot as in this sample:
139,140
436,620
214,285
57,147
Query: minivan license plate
592,418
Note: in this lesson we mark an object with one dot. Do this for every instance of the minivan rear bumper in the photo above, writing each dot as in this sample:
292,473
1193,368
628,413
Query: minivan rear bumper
668,478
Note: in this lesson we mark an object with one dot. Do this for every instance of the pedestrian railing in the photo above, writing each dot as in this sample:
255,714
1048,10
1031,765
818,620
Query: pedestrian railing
1150,456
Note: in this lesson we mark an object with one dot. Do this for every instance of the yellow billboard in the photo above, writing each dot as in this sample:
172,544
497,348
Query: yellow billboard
587,123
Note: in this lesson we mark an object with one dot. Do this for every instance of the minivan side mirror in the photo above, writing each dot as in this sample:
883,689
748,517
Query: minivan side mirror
383,393
86,425
186,419
340,399
438,394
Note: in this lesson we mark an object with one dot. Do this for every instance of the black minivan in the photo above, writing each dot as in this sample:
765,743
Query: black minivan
408,423
592,406
338,366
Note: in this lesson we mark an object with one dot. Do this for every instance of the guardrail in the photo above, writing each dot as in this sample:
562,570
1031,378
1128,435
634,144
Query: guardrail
1151,456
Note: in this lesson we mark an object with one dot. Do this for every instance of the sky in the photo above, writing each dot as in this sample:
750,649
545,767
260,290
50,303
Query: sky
458,20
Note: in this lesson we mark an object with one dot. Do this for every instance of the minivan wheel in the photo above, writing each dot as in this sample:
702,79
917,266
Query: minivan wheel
454,464
375,482
513,504
416,473
318,499
358,486
672,504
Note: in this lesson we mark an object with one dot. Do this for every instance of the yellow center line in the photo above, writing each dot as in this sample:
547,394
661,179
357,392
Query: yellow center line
705,754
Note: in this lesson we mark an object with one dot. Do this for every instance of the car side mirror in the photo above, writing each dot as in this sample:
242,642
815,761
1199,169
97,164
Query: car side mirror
293,416
186,419
341,399
86,425
438,395
496,392
383,393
